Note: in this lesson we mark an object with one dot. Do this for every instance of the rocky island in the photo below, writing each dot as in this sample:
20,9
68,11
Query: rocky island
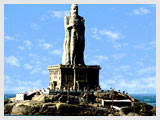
74,86
86,103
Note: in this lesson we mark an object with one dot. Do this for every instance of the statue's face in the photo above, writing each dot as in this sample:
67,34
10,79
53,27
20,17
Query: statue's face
74,10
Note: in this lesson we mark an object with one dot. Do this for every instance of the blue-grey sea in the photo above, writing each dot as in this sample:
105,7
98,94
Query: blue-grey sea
147,98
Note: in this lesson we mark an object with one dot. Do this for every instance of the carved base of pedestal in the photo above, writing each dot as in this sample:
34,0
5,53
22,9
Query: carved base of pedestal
76,76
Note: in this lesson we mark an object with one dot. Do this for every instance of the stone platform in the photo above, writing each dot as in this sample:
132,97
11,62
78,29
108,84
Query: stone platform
76,76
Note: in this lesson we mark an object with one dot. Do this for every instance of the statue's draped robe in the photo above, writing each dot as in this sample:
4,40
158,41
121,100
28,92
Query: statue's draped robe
74,43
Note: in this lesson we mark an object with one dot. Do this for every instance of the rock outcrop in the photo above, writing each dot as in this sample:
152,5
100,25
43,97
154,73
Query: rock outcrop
55,105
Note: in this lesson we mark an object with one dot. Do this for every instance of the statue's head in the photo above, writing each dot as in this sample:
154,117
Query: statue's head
74,9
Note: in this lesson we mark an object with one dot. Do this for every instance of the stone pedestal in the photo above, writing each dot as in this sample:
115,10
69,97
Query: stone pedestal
77,76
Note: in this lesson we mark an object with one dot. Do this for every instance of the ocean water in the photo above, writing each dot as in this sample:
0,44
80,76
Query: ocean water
9,96
146,98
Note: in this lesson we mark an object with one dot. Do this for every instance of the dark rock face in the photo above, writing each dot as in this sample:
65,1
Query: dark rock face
154,110
67,109
6,101
125,110
8,108
48,109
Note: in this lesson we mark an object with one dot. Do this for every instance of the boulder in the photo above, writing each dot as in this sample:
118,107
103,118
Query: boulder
8,108
26,108
62,98
68,109
154,110
56,97
51,98
6,101
132,114
13,99
41,98
142,109
48,109
125,110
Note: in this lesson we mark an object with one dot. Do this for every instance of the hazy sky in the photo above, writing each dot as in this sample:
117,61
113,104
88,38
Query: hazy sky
119,38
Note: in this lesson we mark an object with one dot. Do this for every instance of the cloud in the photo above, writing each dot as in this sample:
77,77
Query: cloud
44,17
118,46
7,37
146,46
56,52
125,68
36,69
28,44
11,38
95,33
47,45
21,47
36,62
45,72
23,86
119,56
101,57
35,26
146,70
93,62
97,59
27,66
44,45
141,11
59,14
7,79
12,60
137,85
111,34
54,14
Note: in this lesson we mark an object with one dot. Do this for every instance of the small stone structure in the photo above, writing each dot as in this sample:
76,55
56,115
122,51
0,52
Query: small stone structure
20,96
73,71
118,103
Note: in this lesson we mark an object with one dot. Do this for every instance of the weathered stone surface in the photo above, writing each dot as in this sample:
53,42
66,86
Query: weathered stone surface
57,108
68,109
48,109
12,99
6,101
51,98
41,98
26,108
77,76
125,110
154,110
140,107
74,42
132,114
8,108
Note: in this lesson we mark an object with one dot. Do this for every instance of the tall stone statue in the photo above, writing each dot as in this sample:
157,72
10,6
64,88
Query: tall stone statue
74,42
